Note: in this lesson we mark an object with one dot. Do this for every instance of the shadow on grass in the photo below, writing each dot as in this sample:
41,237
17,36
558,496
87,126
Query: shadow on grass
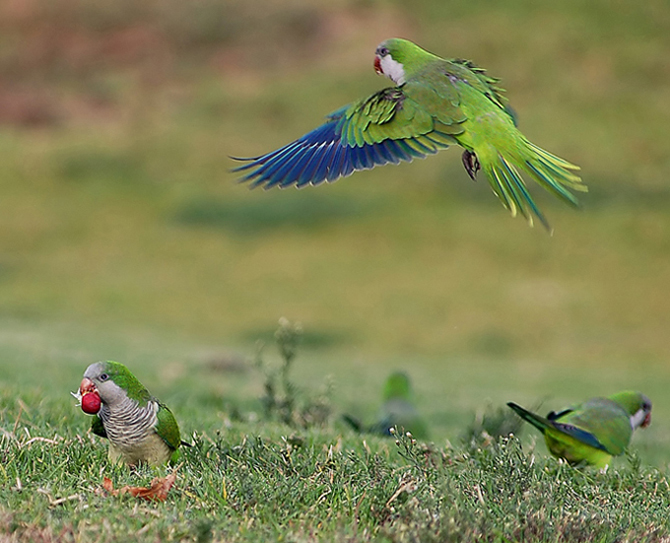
102,166
259,215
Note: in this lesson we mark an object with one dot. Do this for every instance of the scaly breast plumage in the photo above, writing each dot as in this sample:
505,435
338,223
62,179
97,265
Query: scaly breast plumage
128,424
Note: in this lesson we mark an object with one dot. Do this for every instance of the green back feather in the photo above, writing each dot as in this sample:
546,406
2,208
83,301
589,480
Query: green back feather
167,427
122,376
606,420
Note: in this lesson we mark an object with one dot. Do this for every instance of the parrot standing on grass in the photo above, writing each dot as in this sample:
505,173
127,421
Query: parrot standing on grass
139,427
435,103
593,432
397,410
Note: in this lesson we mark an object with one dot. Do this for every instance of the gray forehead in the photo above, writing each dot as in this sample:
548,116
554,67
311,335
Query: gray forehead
93,370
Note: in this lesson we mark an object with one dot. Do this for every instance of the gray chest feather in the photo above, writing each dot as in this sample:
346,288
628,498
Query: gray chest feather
127,422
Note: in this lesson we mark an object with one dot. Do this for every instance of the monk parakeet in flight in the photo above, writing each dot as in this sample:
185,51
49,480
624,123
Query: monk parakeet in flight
593,432
397,410
140,428
435,103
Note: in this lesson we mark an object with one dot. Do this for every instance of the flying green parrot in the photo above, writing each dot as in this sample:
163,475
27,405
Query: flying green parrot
139,427
397,410
435,103
593,432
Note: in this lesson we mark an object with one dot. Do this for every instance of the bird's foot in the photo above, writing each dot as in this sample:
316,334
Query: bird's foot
471,163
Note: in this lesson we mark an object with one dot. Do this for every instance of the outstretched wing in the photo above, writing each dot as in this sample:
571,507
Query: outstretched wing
390,126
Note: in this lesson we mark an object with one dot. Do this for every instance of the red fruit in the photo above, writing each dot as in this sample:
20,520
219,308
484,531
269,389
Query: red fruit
90,403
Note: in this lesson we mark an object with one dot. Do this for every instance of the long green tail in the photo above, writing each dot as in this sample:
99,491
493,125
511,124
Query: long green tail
536,420
551,172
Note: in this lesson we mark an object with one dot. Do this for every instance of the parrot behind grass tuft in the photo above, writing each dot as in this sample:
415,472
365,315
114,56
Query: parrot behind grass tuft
435,103
592,432
397,410
139,427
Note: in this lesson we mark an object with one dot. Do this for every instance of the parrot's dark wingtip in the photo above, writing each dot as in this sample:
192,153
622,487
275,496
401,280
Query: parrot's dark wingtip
515,406
547,227
243,158
186,444
248,160
248,164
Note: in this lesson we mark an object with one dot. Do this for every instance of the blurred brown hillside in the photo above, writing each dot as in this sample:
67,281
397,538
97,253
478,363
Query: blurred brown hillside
57,56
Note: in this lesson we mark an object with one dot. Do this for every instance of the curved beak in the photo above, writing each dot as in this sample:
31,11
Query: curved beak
86,386
647,420
378,65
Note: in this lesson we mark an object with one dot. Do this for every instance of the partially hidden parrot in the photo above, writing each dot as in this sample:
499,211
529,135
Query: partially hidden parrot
140,428
592,432
436,103
397,409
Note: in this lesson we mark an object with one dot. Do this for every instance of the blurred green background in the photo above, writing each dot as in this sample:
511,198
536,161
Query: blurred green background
123,234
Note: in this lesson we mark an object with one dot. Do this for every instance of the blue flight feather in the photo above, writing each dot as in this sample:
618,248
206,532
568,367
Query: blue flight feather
581,435
321,155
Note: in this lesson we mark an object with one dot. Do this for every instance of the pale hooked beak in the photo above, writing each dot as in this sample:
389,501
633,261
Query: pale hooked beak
647,420
378,65
86,386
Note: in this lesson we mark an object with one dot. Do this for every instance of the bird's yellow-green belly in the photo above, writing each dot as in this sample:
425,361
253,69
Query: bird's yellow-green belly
152,450
574,451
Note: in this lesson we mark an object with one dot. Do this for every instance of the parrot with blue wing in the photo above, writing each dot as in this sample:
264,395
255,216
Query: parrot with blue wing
592,432
435,103
397,409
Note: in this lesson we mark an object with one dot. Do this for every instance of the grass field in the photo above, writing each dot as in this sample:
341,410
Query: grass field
124,236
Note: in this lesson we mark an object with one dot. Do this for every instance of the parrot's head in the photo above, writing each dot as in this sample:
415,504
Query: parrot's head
637,405
397,386
388,60
113,382
396,58
642,416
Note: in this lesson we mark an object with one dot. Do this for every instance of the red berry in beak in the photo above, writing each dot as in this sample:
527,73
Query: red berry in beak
90,403
647,420
90,399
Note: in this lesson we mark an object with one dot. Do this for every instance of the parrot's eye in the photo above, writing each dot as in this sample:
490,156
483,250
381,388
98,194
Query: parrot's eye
382,51
104,376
